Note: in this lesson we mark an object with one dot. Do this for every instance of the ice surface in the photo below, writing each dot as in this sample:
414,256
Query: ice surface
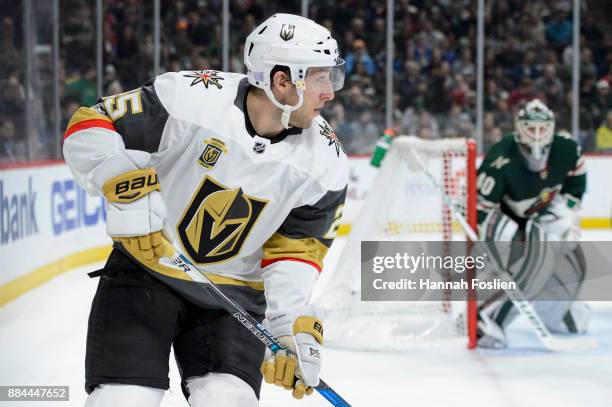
42,342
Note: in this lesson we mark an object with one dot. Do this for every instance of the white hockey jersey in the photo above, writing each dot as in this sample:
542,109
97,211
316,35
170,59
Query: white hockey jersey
246,209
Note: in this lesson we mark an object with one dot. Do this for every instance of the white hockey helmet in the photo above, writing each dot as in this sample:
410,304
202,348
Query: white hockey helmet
535,126
299,44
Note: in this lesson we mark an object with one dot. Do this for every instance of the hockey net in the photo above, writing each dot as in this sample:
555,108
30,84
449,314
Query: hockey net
404,204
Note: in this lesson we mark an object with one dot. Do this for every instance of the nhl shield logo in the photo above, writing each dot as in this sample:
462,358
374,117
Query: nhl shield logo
287,31
213,150
259,147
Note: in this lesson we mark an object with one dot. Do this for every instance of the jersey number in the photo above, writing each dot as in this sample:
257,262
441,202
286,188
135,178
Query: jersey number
485,183
117,106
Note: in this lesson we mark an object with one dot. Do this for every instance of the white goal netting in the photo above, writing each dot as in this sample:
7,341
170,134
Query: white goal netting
403,204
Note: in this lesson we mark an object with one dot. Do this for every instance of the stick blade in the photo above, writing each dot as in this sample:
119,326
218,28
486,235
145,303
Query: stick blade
568,344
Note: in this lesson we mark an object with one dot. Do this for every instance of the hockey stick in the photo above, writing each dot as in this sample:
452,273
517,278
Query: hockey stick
180,262
516,295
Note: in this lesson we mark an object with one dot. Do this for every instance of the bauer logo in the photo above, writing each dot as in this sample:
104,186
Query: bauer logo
17,213
71,208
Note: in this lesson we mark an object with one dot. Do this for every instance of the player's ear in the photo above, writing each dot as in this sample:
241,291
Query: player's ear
281,80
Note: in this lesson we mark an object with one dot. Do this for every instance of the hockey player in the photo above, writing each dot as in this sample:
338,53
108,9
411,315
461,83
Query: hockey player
248,180
529,189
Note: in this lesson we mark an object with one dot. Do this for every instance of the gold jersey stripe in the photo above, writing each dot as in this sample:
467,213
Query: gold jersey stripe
307,249
174,273
84,114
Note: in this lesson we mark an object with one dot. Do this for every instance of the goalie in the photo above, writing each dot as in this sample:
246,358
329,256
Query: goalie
529,189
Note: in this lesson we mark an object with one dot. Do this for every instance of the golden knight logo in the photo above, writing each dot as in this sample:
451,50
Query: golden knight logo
217,222
287,31
213,150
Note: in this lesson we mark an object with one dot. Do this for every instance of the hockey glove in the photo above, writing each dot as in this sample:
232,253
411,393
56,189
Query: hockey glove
560,221
135,213
302,333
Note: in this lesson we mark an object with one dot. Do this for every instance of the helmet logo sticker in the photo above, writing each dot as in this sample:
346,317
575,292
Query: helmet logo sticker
287,31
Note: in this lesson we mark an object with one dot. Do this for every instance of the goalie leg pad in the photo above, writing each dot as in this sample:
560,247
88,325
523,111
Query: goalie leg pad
533,269
559,310
576,319
498,227
220,390
113,395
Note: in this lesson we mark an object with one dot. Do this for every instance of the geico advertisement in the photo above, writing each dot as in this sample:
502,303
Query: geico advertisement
44,216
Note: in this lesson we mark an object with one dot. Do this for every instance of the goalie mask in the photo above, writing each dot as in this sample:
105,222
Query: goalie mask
305,47
535,126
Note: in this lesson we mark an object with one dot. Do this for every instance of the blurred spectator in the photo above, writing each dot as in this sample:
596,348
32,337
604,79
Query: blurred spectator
408,80
112,85
603,136
438,100
492,95
424,120
364,133
491,134
559,30
337,119
10,57
546,83
587,68
601,101
430,38
83,87
378,37
425,133
360,55
504,116
12,98
465,66
12,147
528,68
523,93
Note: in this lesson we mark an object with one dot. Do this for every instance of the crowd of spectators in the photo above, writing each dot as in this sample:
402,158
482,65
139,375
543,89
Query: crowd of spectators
12,96
528,54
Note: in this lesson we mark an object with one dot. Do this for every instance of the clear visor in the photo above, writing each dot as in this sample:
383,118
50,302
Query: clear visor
325,78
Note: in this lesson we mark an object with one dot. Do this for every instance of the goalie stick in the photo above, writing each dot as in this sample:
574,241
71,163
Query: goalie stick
516,295
182,263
